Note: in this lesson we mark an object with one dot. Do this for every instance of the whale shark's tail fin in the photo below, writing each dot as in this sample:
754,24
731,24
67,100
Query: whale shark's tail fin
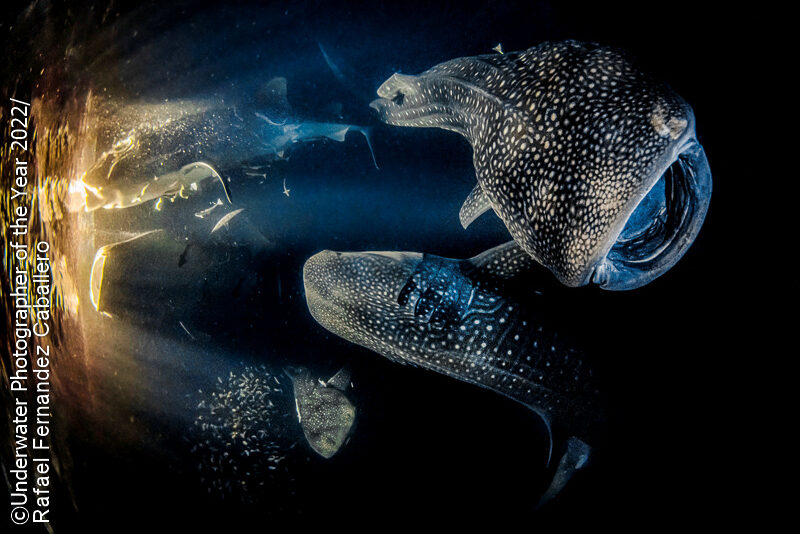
575,457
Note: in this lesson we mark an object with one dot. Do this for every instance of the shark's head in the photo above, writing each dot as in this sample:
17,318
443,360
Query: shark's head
594,168
354,295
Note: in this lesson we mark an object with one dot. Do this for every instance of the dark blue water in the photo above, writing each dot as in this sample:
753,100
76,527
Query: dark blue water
424,445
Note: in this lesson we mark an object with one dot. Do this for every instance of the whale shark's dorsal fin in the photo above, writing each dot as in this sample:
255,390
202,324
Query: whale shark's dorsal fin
367,132
341,380
477,204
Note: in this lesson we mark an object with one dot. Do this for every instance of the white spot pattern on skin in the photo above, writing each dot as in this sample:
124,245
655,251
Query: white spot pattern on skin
354,295
564,135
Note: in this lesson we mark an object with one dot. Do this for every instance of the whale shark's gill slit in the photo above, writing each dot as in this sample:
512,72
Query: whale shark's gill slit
490,310
449,308
657,219
663,225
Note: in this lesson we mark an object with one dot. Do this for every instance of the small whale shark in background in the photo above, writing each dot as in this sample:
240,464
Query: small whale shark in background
455,319
323,410
594,168
185,143
280,130
126,193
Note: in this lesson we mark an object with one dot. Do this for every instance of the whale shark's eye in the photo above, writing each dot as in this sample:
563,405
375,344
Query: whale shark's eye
662,226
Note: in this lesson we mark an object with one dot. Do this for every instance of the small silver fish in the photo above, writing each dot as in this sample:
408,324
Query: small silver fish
226,219
202,213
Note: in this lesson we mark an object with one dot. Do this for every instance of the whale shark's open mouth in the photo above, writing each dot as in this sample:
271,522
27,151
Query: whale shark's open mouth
662,226
618,213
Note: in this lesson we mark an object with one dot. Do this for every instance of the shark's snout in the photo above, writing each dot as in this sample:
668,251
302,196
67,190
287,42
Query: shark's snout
342,282
328,270
316,278
346,290
397,85
399,92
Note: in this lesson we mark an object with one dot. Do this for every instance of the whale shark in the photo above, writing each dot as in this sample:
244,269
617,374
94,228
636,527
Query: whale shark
594,167
186,144
458,319
279,130
323,410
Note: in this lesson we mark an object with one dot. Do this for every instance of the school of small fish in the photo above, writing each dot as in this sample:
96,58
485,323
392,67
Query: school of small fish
242,437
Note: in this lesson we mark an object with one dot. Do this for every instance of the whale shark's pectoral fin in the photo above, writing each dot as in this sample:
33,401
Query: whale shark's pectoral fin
338,132
477,204
501,263
574,458
341,380
225,189
442,289
367,132
200,170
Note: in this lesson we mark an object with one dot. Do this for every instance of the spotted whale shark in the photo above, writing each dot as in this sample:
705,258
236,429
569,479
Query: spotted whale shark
594,167
455,318
177,148
323,409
